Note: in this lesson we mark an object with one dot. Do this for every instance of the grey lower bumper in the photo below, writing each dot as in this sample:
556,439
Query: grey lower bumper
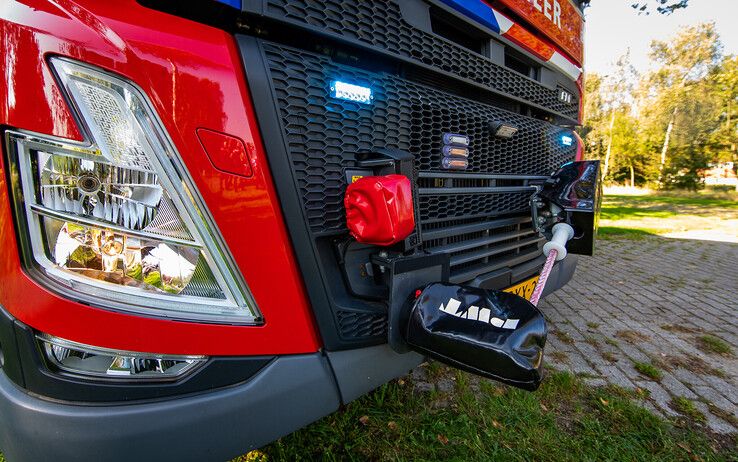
288,394
561,274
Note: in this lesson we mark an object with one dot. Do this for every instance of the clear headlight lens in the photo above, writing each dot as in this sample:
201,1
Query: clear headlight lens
100,362
117,219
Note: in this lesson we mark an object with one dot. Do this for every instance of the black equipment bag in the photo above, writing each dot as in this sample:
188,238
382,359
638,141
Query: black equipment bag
491,333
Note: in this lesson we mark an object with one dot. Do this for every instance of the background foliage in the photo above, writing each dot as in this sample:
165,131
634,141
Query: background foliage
666,125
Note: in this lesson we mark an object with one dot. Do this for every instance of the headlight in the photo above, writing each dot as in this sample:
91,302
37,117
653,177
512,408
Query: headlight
101,362
116,219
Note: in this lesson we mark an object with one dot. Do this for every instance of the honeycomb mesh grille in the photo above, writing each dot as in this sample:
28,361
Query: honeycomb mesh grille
357,324
323,134
440,207
379,23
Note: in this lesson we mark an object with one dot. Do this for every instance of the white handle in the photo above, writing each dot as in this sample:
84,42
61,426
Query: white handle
562,233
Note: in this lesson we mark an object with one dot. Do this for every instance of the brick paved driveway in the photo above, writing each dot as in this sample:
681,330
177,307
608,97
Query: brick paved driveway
649,301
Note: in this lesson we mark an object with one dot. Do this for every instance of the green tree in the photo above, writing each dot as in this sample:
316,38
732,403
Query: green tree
592,131
661,6
647,6
670,124
726,88
684,64
608,104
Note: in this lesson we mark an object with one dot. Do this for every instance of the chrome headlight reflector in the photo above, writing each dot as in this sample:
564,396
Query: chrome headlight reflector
117,219
76,358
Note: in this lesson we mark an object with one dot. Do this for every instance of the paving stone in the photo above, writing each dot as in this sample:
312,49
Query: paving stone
595,382
675,387
419,374
445,385
689,377
715,423
660,397
616,377
716,398
641,286
423,387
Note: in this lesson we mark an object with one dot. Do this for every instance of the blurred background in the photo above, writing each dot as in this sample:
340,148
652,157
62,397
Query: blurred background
661,106
661,113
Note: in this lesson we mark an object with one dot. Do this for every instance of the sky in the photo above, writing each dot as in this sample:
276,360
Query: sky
612,27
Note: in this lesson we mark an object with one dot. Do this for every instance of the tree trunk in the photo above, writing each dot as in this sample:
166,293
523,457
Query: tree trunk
606,167
632,177
665,148
727,123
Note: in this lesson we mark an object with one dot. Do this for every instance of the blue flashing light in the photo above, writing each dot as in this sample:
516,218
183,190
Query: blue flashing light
234,3
567,140
477,10
351,92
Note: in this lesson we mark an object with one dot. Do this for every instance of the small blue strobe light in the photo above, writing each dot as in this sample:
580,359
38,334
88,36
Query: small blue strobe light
567,140
351,92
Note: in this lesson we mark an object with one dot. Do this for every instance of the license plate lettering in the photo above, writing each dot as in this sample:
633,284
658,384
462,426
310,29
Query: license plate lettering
524,289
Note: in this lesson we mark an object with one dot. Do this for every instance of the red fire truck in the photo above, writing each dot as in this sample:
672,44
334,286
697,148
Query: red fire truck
184,275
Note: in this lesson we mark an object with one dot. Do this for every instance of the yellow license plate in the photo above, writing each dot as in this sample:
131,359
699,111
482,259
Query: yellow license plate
524,289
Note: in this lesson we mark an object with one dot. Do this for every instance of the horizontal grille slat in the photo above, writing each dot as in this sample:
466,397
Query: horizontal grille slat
471,256
481,242
470,273
444,191
469,237
454,230
379,24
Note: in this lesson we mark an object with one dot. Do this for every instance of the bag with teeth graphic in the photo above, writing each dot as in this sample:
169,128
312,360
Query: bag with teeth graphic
491,333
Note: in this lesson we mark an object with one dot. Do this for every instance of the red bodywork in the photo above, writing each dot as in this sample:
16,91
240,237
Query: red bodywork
563,29
193,75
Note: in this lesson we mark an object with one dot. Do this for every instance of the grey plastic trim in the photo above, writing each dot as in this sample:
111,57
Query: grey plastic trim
288,394
561,274
360,371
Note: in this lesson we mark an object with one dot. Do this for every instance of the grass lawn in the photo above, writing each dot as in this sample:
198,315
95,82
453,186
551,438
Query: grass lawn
480,421
669,214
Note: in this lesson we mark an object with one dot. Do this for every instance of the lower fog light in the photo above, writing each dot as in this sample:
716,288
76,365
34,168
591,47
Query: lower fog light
93,361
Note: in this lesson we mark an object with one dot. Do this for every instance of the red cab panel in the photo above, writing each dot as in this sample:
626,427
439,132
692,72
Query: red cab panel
559,20
193,75
227,153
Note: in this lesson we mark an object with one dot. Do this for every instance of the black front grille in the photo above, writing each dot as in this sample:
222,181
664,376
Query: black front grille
481,226
480,217
324,135
440,207
380,24
362,324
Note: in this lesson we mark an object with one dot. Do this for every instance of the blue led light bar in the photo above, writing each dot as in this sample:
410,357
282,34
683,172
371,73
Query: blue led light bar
567,140
453,138
234,3
477,10
351,92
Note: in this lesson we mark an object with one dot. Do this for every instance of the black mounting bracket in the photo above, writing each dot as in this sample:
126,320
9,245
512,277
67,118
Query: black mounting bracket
406,275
